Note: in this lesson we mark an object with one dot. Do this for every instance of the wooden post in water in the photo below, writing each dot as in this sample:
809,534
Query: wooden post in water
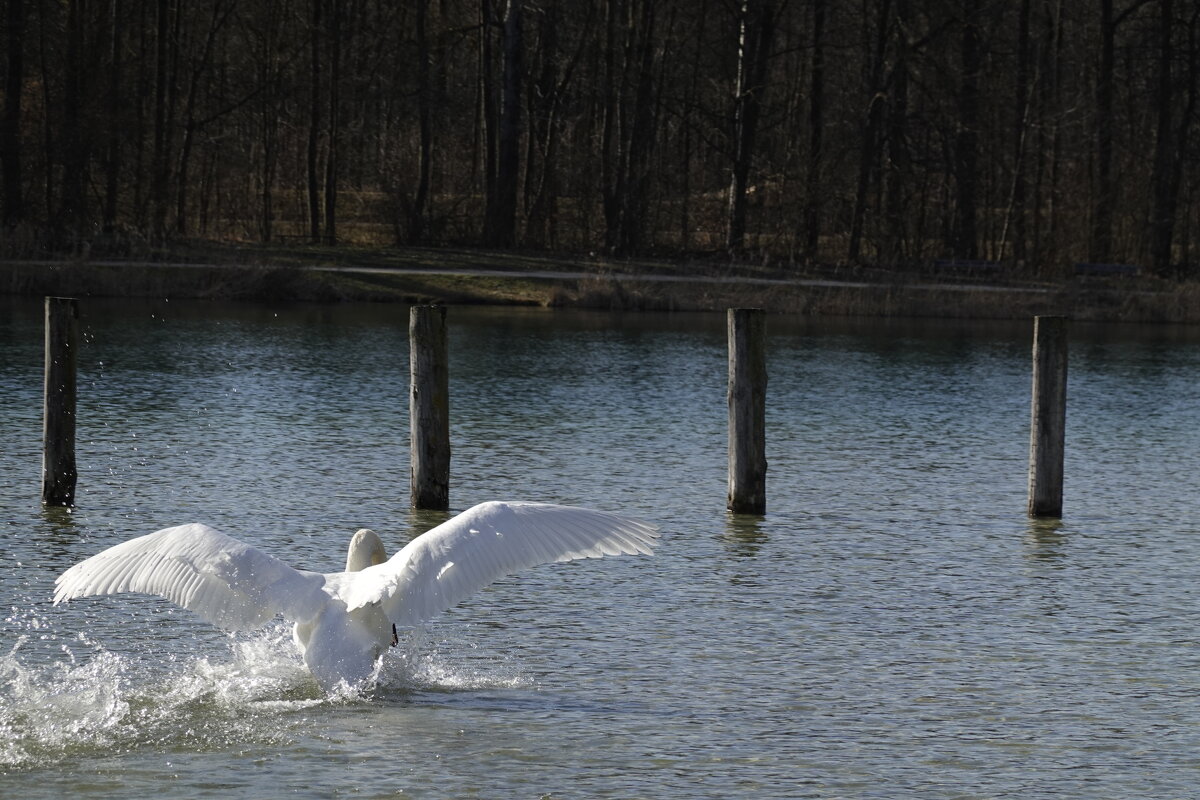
429,408
58,402
1048,425
747,411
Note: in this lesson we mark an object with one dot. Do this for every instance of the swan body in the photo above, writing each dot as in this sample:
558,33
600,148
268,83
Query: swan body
344,621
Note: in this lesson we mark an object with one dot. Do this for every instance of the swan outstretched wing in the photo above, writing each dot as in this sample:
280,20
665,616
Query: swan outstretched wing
457,558
226,582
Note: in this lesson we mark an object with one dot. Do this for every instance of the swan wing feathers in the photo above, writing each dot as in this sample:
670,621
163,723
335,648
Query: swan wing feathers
442,567
226,582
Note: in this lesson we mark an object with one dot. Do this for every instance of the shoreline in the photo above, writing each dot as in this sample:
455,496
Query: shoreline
470,277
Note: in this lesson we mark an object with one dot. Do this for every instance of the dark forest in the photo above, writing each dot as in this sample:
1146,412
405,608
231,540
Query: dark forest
1039,133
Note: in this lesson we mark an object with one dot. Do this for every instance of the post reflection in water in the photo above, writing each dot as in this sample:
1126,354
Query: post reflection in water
1046,538
418,521
744,535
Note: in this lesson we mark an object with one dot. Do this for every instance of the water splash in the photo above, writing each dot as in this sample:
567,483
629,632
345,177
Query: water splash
54,706
424,661
92,700
89,701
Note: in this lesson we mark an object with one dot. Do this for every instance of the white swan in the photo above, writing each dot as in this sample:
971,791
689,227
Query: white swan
344,620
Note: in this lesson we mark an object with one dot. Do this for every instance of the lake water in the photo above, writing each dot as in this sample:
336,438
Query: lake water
893,627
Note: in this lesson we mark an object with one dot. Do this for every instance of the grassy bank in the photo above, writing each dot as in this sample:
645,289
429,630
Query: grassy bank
263,283
1078,301
329,275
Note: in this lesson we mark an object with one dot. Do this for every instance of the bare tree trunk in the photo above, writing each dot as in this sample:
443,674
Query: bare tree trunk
269,119
1020,133
191,124
816,126
501,215
1049,96
1164,183
756,29
966,147
162,72
542,100
331,150
1186,152
185,159
267,198
611,173
314,125
10,123
208,184
112,154
1054,211
486,108
1102,212
868,157
897,172
542,185
48,131
640,140
142,92
686,134
419,210
73,211
628,129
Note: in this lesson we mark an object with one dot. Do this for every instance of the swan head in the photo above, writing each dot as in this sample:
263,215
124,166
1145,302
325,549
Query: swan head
366,550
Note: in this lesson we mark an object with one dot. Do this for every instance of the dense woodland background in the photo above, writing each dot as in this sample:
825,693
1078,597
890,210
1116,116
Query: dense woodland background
1036,132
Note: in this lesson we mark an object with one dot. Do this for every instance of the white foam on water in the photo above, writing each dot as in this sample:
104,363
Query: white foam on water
90,701
54,706
423,662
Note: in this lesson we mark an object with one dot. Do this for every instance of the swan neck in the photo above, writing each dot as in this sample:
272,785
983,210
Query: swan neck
366,550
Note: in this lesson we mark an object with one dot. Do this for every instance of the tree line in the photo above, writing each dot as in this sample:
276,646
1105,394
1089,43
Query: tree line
889,132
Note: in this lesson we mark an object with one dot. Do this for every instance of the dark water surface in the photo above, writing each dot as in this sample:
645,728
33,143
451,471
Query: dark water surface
893,627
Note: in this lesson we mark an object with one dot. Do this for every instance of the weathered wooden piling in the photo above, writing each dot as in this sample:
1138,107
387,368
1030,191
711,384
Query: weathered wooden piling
747,411
429,408
58,402
1048,424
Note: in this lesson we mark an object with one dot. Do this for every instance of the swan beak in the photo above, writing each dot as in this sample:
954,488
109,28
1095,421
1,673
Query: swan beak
395,636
